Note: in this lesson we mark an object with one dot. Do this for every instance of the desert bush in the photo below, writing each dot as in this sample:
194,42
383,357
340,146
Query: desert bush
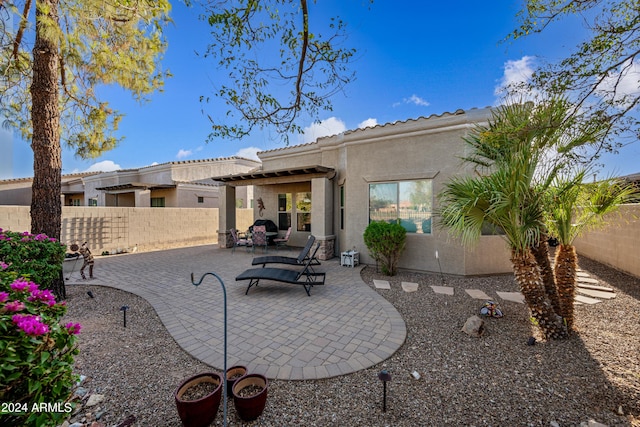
385,242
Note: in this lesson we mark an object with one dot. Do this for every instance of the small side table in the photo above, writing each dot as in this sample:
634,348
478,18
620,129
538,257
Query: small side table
350,258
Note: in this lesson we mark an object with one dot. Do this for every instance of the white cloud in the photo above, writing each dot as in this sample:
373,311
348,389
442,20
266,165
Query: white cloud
517,73
625,83
249,153
369,123
103,166
183,153
413,99
330,126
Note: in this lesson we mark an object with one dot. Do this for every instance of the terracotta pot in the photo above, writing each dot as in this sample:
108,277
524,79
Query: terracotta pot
234,371
249,408
201,412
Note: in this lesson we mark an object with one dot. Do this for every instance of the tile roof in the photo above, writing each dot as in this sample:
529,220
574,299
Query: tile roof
350,131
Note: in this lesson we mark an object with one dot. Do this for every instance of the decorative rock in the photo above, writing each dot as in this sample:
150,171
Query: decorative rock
474,326
94,399
76,425
81,391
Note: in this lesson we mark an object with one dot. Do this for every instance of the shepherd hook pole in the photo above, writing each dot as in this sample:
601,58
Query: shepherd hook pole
224,375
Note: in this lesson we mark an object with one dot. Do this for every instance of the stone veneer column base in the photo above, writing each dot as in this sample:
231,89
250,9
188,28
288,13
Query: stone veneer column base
327,247
225,239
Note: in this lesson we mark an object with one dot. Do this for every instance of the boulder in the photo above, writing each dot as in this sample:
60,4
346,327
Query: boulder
474,326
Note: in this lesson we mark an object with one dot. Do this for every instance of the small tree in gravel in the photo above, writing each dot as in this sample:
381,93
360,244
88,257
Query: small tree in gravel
385,242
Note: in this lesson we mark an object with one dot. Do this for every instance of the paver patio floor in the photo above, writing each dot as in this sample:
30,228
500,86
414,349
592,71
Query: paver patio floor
276,330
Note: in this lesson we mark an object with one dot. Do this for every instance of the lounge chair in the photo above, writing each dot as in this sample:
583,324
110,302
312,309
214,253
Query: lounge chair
305,277
299,260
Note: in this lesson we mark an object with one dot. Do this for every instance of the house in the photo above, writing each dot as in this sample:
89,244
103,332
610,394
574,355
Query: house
172,184
333,187
17,191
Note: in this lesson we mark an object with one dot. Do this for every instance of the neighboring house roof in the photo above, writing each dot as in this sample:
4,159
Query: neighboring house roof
65,177
134,185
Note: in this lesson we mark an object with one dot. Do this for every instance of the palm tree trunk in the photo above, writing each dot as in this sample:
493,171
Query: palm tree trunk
528,276
46,207
565,272
541,254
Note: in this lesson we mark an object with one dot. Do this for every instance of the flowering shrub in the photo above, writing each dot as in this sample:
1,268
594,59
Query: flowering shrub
32,255
36,351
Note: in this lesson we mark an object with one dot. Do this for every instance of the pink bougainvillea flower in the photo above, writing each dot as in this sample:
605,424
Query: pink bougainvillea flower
23,284
14,306
43,295
4,296
30,324
3,265
40,237
73,328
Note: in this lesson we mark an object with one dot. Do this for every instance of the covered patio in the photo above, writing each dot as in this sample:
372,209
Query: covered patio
298,197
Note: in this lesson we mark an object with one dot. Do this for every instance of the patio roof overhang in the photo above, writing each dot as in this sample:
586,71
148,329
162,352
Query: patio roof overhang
279,176
132,186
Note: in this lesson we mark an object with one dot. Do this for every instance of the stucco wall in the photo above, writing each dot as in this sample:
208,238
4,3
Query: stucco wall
426,148
618,243
118,228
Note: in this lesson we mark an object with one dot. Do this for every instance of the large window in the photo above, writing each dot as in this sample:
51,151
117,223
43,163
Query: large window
303,209
284,211
410,202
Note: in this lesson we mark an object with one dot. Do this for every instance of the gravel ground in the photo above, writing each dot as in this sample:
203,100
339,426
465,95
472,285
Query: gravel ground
495,380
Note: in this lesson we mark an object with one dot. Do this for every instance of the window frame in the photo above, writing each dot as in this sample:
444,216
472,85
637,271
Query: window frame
397,202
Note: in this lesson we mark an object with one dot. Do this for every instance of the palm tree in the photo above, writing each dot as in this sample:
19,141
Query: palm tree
503,199
572,207
516,157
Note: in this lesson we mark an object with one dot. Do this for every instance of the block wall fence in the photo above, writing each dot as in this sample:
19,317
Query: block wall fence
617,244
117,229
112,229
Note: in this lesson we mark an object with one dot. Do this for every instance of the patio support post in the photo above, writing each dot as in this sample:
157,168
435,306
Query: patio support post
226,215
322,216
142,198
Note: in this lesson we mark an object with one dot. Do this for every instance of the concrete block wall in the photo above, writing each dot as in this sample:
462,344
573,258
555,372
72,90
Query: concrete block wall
618,243
115,229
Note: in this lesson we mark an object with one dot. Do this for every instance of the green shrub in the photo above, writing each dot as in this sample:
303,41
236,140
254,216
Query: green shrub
35,256
385,242
36,351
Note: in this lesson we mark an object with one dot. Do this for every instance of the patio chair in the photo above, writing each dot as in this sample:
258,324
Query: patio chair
239,241
305,277
259,237
299,260
282,242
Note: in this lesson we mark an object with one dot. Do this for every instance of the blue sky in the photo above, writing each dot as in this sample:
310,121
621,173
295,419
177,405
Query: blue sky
415,58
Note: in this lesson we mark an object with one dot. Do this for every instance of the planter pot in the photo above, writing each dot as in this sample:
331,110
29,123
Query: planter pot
200,412
234,373
250,407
